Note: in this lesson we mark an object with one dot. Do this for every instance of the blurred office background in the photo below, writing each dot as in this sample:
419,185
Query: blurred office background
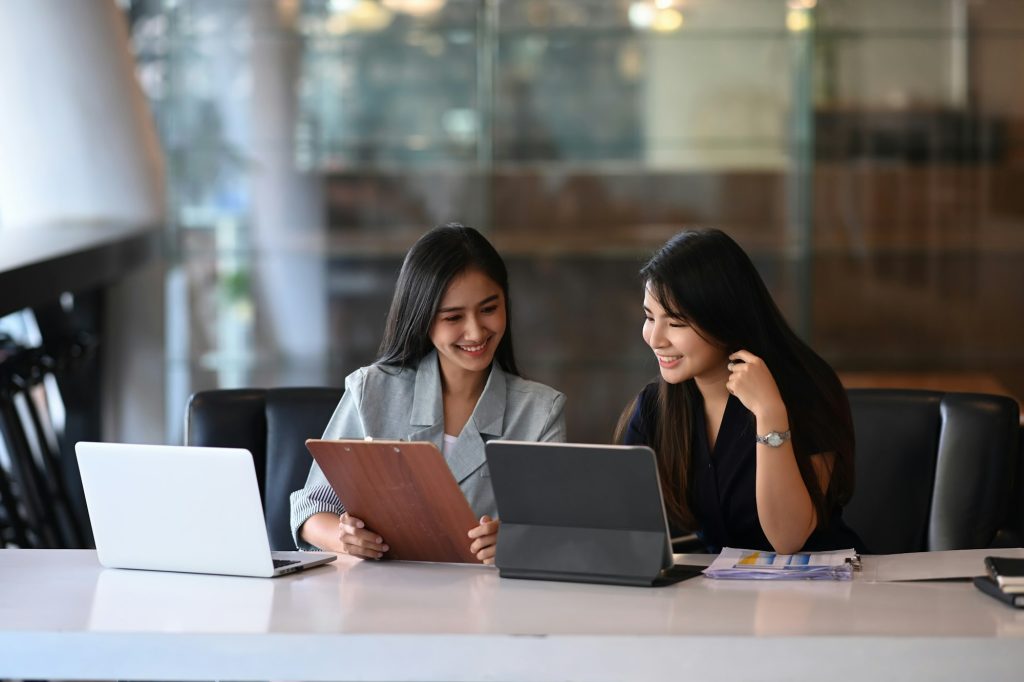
869,155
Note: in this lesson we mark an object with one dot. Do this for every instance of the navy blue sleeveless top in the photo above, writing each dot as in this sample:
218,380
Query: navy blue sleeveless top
722,495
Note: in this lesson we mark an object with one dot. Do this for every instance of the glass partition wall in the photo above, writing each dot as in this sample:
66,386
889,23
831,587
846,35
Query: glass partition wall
866,154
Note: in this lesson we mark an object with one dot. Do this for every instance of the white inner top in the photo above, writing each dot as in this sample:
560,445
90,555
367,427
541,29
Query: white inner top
449,441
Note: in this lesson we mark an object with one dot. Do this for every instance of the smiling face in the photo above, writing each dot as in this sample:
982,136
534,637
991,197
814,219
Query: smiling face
681,351
469,324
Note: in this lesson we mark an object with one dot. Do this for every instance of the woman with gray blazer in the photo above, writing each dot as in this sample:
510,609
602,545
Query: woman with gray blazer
446,374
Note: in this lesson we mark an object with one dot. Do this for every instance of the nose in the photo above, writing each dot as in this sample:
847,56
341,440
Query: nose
474,330
656,338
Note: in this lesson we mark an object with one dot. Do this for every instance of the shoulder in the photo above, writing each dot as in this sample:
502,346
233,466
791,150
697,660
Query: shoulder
380,377
648,395
645,407
642,421
522,390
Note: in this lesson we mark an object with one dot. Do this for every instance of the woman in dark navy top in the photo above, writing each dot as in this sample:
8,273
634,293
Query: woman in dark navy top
752,429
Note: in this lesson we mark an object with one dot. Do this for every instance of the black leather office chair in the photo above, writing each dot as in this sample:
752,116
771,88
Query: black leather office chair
273,424
934,469
1012,534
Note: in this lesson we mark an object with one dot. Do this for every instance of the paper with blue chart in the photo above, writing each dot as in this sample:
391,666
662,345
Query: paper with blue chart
751,564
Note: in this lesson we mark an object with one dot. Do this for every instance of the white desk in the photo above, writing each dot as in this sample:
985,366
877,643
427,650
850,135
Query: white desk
64,617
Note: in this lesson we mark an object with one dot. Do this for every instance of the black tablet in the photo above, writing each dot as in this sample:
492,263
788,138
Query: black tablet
581,513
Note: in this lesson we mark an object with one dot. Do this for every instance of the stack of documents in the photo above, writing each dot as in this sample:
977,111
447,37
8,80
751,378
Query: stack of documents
750,564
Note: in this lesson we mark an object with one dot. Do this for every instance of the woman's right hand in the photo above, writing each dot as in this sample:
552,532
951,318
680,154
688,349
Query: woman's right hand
358,540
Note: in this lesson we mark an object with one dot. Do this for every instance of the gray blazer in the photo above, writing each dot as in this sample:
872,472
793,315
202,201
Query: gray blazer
392,404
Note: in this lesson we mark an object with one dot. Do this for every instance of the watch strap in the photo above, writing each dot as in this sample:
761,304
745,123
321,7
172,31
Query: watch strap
773,439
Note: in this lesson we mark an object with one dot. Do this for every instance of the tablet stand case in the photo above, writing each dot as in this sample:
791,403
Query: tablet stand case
579,513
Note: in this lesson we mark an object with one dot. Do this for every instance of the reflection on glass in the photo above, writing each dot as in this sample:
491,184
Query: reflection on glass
865,152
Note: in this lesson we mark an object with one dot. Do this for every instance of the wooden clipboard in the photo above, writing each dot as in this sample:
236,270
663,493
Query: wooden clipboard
402,490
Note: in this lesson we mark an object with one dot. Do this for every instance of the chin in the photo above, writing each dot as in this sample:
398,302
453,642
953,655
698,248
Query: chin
476,364
675,377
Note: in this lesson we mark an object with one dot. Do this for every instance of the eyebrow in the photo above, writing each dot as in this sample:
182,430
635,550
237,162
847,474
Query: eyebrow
452,309
667,314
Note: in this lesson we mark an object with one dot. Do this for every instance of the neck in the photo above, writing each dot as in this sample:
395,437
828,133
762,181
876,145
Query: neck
457,382
712,385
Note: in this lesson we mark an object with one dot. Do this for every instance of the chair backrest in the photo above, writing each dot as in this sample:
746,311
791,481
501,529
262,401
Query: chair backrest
1016,522
933,469
1012,532
273,424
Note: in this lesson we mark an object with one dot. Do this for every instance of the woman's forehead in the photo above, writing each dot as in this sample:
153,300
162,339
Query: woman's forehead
471,285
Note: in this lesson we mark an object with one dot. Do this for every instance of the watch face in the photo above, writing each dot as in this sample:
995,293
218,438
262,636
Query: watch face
774,439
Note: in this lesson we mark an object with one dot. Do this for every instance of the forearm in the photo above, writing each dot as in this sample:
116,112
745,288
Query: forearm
322,530
784,505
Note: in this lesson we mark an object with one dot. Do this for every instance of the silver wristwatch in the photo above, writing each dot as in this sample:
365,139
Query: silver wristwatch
773,439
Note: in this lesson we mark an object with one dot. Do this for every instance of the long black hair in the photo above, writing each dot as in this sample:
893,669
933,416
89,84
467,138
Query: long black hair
705,278
430,266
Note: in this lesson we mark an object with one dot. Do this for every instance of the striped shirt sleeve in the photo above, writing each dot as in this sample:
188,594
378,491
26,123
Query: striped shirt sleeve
317,495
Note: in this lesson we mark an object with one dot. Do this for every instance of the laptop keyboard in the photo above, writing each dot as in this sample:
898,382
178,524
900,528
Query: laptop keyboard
281,563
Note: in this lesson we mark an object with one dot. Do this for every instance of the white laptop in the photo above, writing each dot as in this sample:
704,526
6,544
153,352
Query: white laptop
174,508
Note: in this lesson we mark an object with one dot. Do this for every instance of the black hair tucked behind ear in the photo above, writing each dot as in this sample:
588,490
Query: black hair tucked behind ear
706,279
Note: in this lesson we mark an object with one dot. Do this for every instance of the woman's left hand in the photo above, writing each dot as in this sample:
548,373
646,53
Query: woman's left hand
485,539
751,381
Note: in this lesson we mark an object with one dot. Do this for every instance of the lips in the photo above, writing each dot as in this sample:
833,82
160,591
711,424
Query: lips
668,360
474,351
